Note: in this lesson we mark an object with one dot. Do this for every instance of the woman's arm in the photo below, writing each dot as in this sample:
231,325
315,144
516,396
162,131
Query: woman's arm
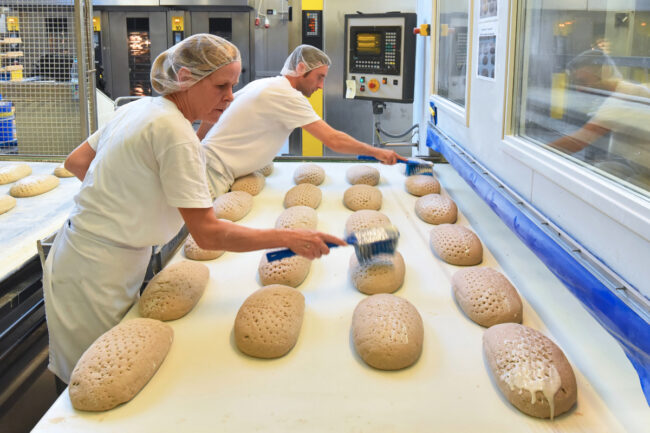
211,233
79,160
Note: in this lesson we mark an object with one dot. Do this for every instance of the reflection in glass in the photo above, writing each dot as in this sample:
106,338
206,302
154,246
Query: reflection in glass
139,56
451,65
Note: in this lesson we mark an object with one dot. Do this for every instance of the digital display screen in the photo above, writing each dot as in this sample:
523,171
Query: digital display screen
312,24
368,43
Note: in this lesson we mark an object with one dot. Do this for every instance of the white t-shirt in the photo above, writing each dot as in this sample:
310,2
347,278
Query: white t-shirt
255,126
148,163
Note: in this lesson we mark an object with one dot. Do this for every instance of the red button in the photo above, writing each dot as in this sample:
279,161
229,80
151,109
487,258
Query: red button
362,88
372,85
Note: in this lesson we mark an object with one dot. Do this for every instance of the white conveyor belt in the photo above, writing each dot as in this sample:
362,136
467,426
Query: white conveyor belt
206,385
33,218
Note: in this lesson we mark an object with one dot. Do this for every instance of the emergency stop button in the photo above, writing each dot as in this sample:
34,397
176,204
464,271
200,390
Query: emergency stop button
373,85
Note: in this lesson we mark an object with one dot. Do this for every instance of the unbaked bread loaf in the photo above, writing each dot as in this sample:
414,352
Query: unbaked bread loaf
267,169
194,252
436,209
530,370
268,322
456,245
61,171
297,217
365,219
486,296
290,271
119,364
304,194
233,206
36,184
12,173
309,173
174,291
362,174
359,197
7,203
387,332
383,275
252,183
421,184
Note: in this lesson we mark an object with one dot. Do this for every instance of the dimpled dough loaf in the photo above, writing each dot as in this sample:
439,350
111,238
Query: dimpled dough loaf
309,173
174,291
304,194
12,173
365,219
380,276
387,332
456,245
359,197
362,174
194,252
486,296
252,183
233,206
421,184
7,203
530,370
119,364
290,271
297,217
61,171
34,185
267,169
269,321
436,209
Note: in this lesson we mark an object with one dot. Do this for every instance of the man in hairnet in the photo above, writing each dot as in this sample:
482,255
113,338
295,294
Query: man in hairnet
263,115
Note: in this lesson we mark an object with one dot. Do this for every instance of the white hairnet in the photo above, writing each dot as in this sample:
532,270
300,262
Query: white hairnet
200,54
310,56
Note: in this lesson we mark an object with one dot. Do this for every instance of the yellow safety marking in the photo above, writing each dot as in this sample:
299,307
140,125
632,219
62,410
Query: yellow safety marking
312,5
558,92
177,24
13,24
97,24
311,146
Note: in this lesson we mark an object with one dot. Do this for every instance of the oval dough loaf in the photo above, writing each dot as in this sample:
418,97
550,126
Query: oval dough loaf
297,217
12,173
359,197
421,184
486,296
290,271
174,291
309,173
61,171
530,370
304,194
251,183
233,206
384,275
456,245
436,209
194,252
267,169
36,184
119,364
362,174
7,203
269,321
365,219
387,332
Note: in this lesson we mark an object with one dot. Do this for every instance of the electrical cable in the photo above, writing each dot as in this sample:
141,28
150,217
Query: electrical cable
387,134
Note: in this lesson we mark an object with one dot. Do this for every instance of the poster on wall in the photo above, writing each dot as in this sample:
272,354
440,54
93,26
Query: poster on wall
487,51
488,9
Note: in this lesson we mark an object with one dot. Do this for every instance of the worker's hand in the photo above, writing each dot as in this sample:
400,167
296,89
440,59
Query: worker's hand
387,156
309,243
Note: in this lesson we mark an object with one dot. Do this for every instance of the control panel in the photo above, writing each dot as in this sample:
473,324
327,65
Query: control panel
380,56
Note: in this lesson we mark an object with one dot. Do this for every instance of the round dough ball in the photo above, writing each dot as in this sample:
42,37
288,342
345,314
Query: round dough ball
436,209
421,184
297,217
290,271
31,186
194,252
251,183
309,173
61,171
456,245
359,197
383,275
362,174
365,219
233,206
267,169
304,194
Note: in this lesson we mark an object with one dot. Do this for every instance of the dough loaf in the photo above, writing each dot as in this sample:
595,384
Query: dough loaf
252,183
365,219
436,209
383,275
304,194
421,184
194,252
297,217
362,174
309,173
359,197
267,169
61,171
12,173
456,245
233,206
7,203
34,185
290,271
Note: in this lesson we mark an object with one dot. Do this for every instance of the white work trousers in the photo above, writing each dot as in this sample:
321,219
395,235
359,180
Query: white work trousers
89,284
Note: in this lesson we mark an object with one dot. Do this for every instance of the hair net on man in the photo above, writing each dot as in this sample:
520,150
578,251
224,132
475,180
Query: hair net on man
200,54
310,56
600,63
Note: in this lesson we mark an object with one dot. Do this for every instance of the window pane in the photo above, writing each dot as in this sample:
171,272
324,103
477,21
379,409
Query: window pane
451,70
582,85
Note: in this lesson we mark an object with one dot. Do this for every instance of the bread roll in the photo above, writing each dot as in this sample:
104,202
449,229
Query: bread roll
421,184
359,197
365,219
251,183
290,271
456,245
297,217
304,194
309,173
383,275
362,174
194,252
233,206
436,209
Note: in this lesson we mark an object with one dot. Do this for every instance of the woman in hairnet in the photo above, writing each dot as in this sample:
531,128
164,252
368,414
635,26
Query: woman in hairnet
143,175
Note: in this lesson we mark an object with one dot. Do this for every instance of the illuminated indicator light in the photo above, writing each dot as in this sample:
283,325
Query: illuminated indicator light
362,88
643,24
384,81
362,79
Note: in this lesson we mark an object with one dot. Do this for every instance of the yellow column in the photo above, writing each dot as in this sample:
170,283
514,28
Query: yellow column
311,146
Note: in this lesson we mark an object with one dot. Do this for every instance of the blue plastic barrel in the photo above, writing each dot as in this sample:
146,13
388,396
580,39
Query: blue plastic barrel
8,140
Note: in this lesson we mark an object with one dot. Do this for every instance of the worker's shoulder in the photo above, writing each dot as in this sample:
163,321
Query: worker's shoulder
273,87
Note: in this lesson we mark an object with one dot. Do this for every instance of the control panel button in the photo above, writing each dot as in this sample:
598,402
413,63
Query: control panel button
362,80
362,88
373,85
396,82
384,80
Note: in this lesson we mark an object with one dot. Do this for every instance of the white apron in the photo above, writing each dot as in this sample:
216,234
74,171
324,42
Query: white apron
89,284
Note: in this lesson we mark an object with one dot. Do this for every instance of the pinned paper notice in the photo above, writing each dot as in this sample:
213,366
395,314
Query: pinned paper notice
351,91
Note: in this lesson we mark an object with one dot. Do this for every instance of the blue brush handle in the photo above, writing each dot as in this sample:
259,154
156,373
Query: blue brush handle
283,254
372,158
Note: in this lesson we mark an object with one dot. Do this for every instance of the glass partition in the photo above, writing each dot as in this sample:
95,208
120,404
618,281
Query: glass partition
451,49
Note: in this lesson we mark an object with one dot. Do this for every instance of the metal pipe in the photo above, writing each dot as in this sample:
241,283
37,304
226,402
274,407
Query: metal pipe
81,69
